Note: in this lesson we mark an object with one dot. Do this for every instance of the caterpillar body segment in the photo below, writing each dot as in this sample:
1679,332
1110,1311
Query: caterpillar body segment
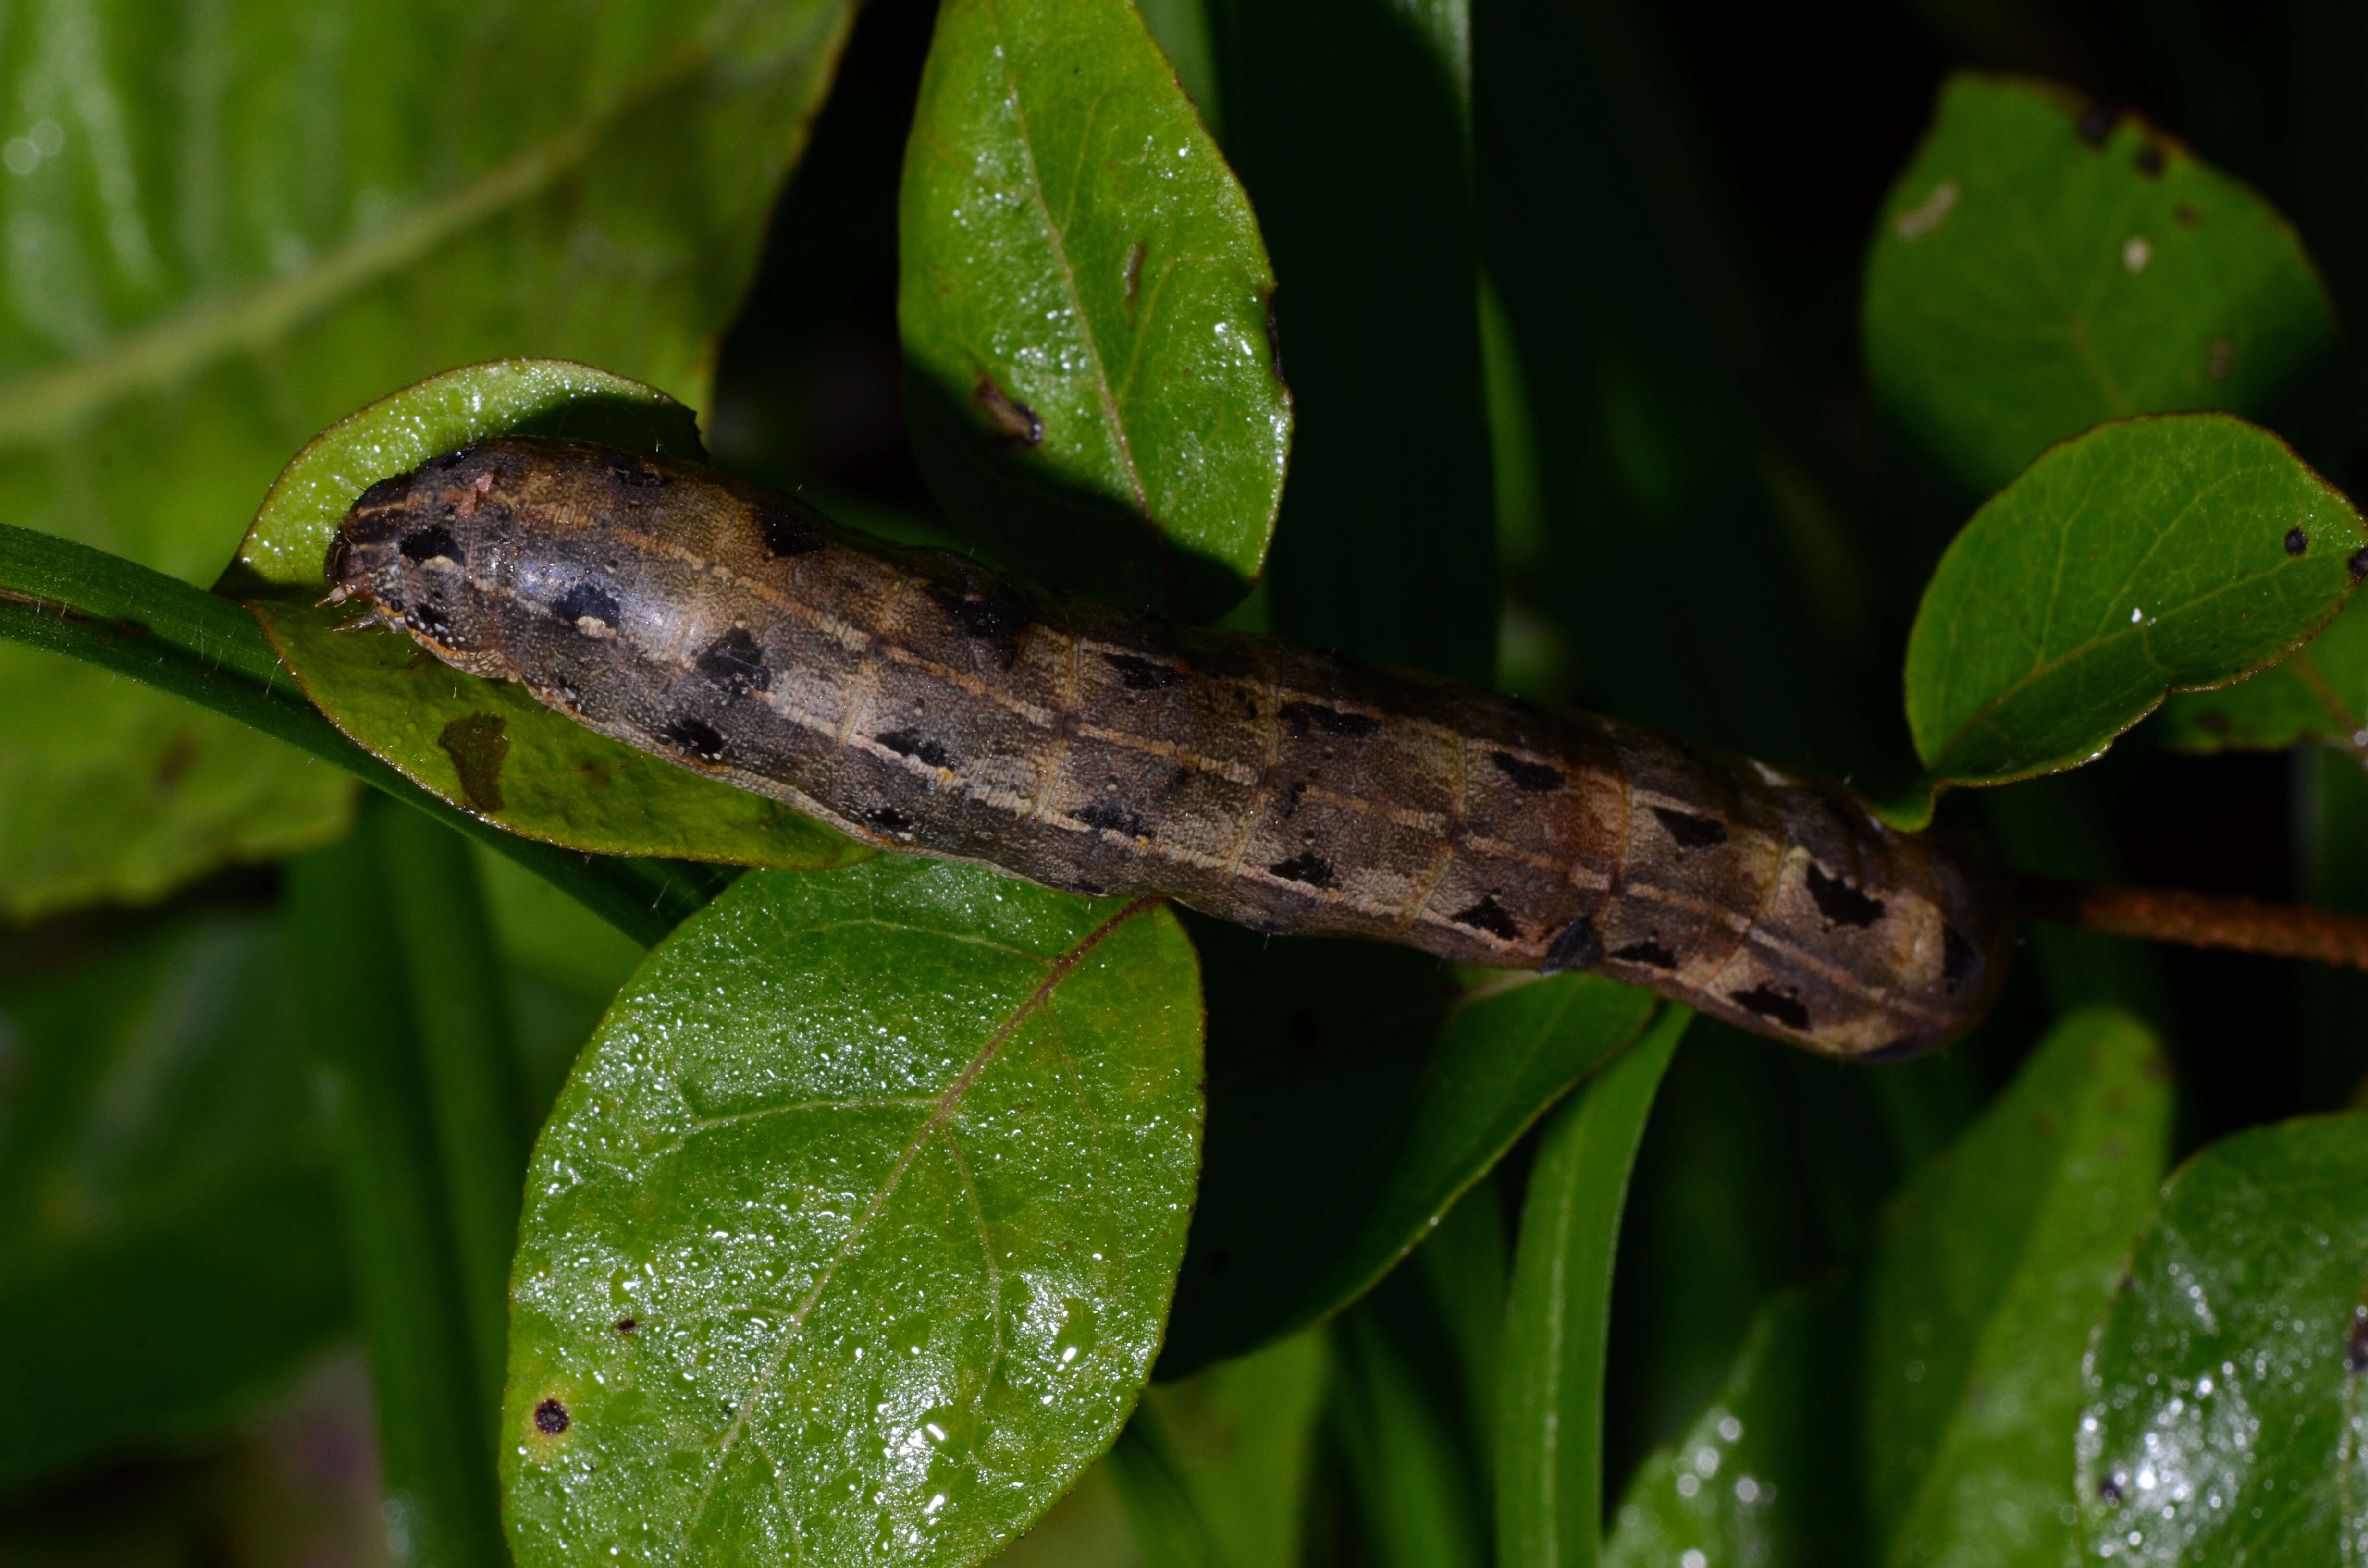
917,701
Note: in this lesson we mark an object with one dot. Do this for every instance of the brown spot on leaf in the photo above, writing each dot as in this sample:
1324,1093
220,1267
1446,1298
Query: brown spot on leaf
1134,273
2296,542
1273,337
627,1326
2187,216
1008,421
551,1418
2149,160
180,752
2095,125
478,744
2359,564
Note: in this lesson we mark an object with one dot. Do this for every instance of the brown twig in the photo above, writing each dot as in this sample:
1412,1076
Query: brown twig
2198,920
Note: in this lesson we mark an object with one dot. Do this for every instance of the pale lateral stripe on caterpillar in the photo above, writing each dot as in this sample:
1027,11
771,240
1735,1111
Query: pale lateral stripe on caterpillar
914,701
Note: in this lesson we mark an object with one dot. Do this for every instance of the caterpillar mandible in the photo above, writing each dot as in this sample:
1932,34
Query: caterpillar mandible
915,700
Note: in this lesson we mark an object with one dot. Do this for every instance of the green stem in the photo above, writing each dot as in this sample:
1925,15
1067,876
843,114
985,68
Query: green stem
460,1009
1550,1407
87,605
441,1498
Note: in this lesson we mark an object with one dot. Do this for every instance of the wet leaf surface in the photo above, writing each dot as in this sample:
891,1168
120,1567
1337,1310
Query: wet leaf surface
161,1129
1761,1476
1995,1262
2172,552
1373,1115
2224,1422
2045,265
1549,1444
851,1236
248,224
486,746
1093,390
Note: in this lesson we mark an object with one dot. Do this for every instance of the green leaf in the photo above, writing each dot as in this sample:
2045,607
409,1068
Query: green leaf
485,747
1374,1117
247,224
1761,1477
161,1133
1550,1411
1348,121
409,1276
1996,1261
122,617
1406,1461
856,1225
2045,265
1083,296
1239,1440
2171,553
2318,692
2223,1390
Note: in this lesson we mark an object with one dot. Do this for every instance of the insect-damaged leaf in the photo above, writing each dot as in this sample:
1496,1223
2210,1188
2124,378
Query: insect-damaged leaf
2171,553
2043,266
1995,1262
2225,1388
485,745
251,220
1083,298
851,1236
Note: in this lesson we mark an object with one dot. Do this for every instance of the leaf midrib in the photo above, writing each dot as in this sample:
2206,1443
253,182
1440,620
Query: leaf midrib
945,1105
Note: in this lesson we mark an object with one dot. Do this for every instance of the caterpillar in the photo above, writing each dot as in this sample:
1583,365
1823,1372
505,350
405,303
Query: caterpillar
921,703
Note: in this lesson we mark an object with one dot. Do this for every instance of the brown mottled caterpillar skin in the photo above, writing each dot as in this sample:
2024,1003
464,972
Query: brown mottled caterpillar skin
915,701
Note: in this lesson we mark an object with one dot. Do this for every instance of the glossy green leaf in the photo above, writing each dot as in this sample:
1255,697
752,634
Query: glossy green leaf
160,1131
1239,1439
1996,1261
242,223
852,1234
2224,1419
1762,1477
1550,1411
485,747
2318,692
2165,554
1348,121
1374,1118
1091,385
2044,264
